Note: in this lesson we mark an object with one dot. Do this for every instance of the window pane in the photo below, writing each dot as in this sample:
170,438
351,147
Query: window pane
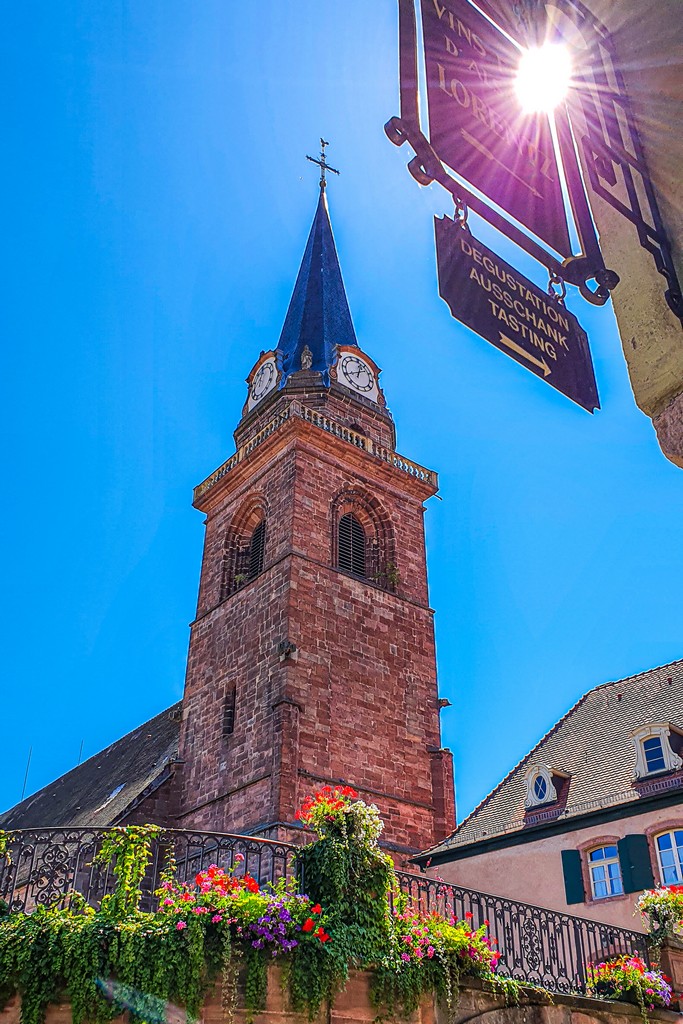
600,889
654,754
670,857
668,860
597,854
540,788
615,878
610,851
670,876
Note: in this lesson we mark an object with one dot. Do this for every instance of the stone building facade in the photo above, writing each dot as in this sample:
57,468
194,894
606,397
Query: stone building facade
312,658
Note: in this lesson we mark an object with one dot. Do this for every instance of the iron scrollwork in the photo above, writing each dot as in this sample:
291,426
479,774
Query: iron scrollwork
612,148
537,946
46,866
426,167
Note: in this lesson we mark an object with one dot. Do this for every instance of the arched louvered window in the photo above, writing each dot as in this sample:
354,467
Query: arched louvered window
257,550
351,545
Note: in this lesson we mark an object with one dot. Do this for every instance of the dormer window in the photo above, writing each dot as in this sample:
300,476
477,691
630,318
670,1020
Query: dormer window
540,788
653,749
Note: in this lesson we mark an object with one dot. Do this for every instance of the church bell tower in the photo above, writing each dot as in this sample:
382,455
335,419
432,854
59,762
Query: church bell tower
312,656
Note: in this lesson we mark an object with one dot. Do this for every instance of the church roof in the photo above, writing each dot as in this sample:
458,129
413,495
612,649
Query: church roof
318,316
591,745
100,791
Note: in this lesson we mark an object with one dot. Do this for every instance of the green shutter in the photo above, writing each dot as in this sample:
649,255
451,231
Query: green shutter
636,866
573,876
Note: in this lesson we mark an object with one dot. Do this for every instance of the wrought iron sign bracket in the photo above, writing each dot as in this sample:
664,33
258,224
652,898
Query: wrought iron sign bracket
614,155
426,167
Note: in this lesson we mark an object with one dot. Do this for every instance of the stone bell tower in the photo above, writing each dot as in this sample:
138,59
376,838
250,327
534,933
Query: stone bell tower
312,657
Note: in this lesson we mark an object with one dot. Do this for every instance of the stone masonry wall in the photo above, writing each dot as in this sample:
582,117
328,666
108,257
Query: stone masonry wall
352,1006
358,697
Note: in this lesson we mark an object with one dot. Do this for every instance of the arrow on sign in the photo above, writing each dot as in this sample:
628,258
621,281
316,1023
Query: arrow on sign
485,151
541,363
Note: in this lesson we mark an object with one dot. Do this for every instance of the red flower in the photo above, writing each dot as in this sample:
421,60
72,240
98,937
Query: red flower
317,909
322,935
308,925
468,914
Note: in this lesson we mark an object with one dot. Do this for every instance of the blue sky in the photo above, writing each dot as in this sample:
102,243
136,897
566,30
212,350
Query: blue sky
157,203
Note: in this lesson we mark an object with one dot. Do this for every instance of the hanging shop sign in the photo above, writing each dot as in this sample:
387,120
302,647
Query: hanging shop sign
476,124
491,297
478,144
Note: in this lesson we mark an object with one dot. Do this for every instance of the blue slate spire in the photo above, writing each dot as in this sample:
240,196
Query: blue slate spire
318,316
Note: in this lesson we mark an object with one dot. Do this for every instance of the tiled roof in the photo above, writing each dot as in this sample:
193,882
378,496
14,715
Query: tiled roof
591,744
98,792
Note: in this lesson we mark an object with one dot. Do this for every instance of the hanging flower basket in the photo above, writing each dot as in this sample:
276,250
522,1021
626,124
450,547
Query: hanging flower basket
662,911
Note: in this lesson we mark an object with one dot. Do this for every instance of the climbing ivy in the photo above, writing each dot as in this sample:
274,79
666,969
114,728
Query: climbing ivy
120,958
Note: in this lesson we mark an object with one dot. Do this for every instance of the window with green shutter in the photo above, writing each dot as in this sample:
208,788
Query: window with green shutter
573,876
636,865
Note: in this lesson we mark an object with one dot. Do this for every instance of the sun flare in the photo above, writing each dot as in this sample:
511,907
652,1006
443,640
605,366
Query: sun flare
543,77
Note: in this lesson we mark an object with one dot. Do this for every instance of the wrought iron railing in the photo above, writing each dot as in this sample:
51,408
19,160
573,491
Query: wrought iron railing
537,946
44,864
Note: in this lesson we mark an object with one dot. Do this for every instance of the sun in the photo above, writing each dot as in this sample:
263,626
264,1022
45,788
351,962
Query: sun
543,77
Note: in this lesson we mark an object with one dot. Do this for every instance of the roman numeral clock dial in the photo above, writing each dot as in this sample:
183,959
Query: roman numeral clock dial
356,374
263,382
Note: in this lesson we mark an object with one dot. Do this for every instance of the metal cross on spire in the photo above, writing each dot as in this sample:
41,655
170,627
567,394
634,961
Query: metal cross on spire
323,165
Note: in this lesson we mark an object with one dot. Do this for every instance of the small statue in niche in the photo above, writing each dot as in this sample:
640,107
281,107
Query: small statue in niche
306,358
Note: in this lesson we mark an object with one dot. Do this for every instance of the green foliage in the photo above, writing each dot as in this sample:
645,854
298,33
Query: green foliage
120,958
129,850
5,840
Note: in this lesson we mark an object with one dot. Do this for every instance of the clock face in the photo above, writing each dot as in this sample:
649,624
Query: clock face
357,374
263,380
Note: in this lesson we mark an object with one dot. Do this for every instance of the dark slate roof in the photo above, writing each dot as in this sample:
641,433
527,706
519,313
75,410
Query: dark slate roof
98,792
318,314
590,744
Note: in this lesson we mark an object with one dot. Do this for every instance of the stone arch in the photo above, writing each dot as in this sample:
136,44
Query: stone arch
380,551
241,561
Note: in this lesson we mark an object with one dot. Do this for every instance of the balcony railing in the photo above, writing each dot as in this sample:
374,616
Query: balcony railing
45,864
537,946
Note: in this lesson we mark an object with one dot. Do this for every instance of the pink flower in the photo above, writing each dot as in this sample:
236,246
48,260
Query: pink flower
168,903
181,925
216,918
405,956
430,951
239,857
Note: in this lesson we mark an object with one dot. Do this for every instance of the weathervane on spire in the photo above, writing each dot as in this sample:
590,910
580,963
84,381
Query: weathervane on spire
323,165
